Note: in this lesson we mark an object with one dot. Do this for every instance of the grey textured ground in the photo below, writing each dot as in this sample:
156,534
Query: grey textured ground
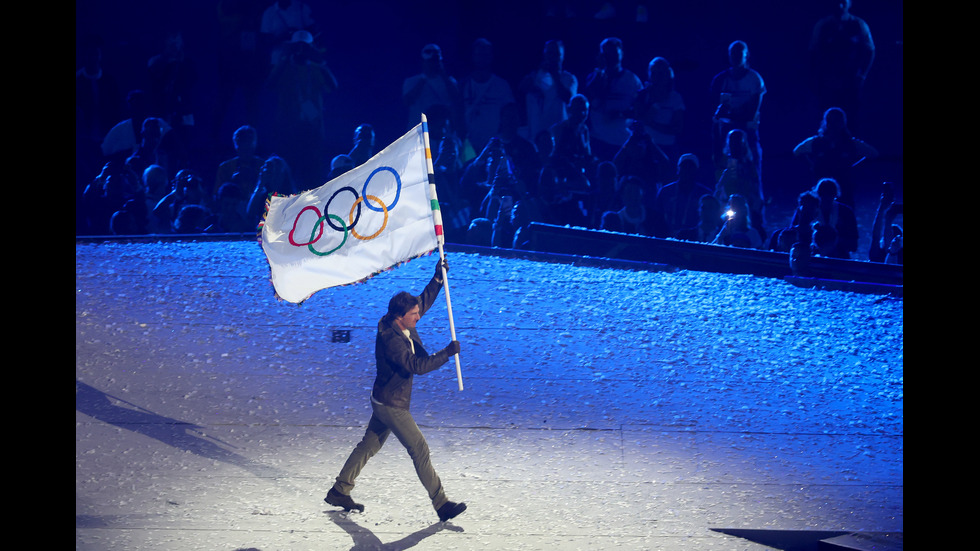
603,408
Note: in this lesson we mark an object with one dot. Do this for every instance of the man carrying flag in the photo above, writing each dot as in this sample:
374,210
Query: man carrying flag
371,218
400,356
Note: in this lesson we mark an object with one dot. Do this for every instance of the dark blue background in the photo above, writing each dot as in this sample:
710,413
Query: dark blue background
372,46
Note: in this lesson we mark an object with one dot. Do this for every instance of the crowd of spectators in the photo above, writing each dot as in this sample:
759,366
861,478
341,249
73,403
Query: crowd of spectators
599,151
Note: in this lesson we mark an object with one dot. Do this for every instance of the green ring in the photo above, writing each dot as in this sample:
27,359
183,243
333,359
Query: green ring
313,233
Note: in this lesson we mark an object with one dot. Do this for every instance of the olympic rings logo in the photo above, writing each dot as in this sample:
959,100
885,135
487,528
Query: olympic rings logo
337,223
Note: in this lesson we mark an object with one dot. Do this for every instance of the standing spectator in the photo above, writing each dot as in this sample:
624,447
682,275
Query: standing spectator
660,107
841,54
612,90
363,147
243,168
484,95
738,91
547,90
572,155
432,86
833,153
301,79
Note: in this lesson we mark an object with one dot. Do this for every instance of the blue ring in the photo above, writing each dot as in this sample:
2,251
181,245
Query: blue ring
398,193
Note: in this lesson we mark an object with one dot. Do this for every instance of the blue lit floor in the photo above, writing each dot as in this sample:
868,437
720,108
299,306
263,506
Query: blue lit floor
603,408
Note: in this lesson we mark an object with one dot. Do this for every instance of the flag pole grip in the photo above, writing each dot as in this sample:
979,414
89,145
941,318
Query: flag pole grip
449,308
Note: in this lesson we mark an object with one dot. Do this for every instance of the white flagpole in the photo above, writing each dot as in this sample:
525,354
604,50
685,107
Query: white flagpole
440,239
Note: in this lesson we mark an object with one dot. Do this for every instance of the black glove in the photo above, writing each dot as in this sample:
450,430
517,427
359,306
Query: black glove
439,266
453,348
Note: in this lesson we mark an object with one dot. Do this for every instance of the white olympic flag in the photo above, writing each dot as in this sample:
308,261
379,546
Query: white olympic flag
377,215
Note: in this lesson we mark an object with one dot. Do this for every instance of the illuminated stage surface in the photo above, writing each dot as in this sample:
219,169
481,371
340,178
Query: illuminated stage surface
603,408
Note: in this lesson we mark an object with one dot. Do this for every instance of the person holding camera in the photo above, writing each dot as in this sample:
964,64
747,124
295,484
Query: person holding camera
187,190
741,176
738,230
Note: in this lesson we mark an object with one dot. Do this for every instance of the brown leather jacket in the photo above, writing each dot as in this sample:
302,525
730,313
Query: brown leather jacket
397,365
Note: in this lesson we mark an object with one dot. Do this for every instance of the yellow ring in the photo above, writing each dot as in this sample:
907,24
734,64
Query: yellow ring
351,216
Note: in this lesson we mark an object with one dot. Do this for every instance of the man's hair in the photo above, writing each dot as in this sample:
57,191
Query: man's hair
400,304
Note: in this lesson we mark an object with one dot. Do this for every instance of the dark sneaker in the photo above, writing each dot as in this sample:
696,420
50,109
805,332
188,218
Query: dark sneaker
340,500
450,510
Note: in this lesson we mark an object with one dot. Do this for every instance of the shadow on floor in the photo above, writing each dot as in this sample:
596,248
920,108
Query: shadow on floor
365,539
